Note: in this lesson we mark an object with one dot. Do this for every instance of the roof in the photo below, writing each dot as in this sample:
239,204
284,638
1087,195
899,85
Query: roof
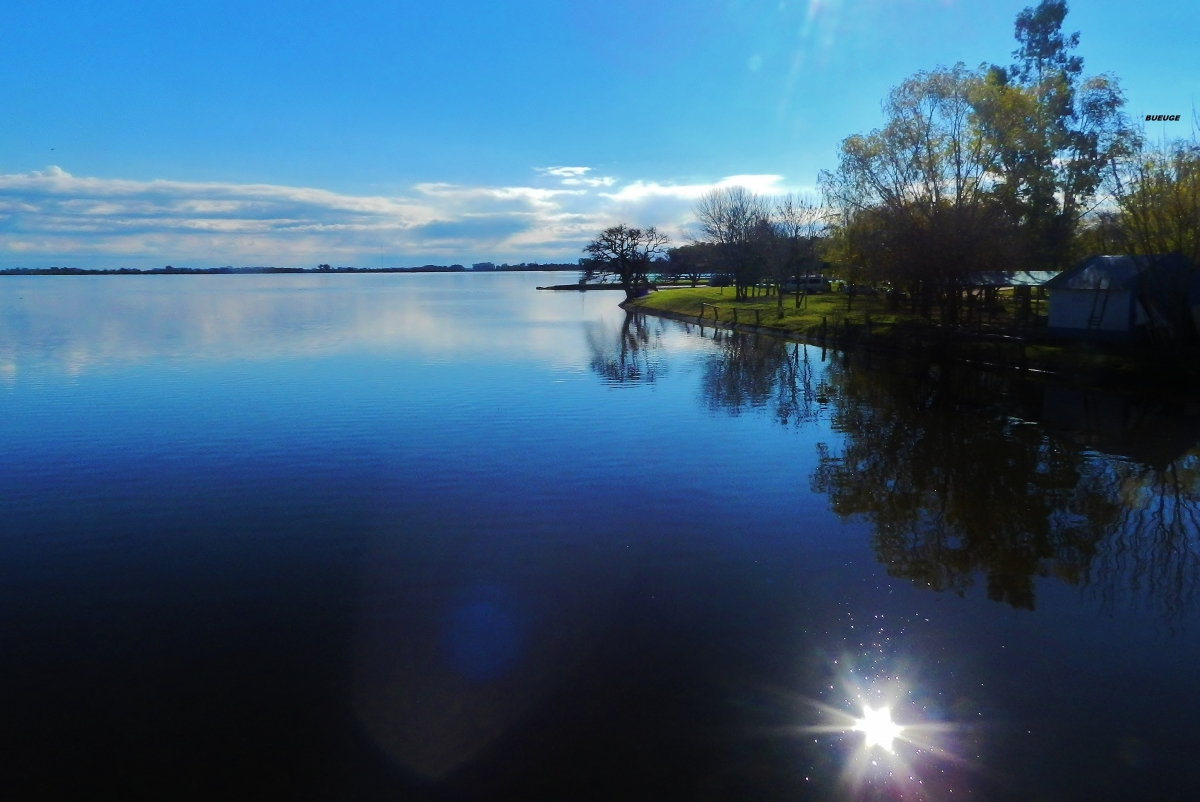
1115,272
1010,278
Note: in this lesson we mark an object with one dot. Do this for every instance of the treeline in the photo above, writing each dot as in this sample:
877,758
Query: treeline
745,240
1030,166
169,270
535,266
987,169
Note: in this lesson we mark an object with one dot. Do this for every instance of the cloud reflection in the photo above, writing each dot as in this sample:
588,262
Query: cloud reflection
78,323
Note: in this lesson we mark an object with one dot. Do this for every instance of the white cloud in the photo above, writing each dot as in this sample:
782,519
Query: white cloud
642,190
565,172
52,217
577,176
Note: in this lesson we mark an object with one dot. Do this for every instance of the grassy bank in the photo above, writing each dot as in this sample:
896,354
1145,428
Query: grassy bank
993,341
805,320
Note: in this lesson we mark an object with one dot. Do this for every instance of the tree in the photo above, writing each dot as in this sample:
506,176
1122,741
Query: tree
980,169
691,262
914,196
1054,134
730,219
627,253
801,225
1158,195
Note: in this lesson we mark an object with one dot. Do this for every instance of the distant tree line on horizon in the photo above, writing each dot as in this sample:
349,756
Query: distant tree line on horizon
323,268
1031,166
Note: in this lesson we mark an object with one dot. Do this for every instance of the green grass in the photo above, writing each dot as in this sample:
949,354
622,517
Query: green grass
891,329
805,320
900,330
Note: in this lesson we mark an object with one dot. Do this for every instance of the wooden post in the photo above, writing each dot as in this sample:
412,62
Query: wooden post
824,328
735,316
756,321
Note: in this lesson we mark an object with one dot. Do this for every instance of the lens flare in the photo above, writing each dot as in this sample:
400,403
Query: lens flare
905,758
877,727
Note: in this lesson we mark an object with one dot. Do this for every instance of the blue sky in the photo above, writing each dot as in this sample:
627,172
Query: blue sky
371,133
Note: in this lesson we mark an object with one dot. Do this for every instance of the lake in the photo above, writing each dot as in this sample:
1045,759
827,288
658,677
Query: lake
444,536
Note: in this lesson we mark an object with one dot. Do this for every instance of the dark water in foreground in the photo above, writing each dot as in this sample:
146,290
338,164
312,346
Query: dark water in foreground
446,537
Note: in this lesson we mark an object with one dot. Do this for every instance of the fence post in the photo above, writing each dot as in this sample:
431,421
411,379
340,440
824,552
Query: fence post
824,328
756,321
735,320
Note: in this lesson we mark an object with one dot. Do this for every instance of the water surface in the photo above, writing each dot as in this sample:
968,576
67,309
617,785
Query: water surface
448,537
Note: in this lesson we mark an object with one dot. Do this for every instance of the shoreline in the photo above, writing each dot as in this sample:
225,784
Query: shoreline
263,271
1078,363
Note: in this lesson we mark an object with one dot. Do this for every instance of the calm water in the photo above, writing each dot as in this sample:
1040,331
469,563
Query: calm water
447,537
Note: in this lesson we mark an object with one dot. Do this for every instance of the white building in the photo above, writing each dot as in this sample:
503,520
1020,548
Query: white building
1118,297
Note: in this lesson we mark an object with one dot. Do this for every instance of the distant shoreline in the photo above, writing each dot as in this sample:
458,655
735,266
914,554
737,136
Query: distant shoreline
209,271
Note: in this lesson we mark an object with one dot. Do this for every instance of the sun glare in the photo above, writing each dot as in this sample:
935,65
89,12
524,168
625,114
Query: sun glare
877,727
877,760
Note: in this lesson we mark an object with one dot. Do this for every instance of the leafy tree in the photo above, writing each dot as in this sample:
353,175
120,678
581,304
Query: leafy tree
1054,134
626,253
914,197
691,262
1158,195
979,169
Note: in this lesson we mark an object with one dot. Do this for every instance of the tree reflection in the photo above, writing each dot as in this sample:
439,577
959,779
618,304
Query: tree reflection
964,474
747,372
1154,551
953,487
629,353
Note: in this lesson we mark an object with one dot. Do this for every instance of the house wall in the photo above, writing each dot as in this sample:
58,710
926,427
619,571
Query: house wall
1070,309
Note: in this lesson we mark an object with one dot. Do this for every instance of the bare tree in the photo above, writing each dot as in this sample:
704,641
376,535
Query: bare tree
731,218
801,225
627,253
